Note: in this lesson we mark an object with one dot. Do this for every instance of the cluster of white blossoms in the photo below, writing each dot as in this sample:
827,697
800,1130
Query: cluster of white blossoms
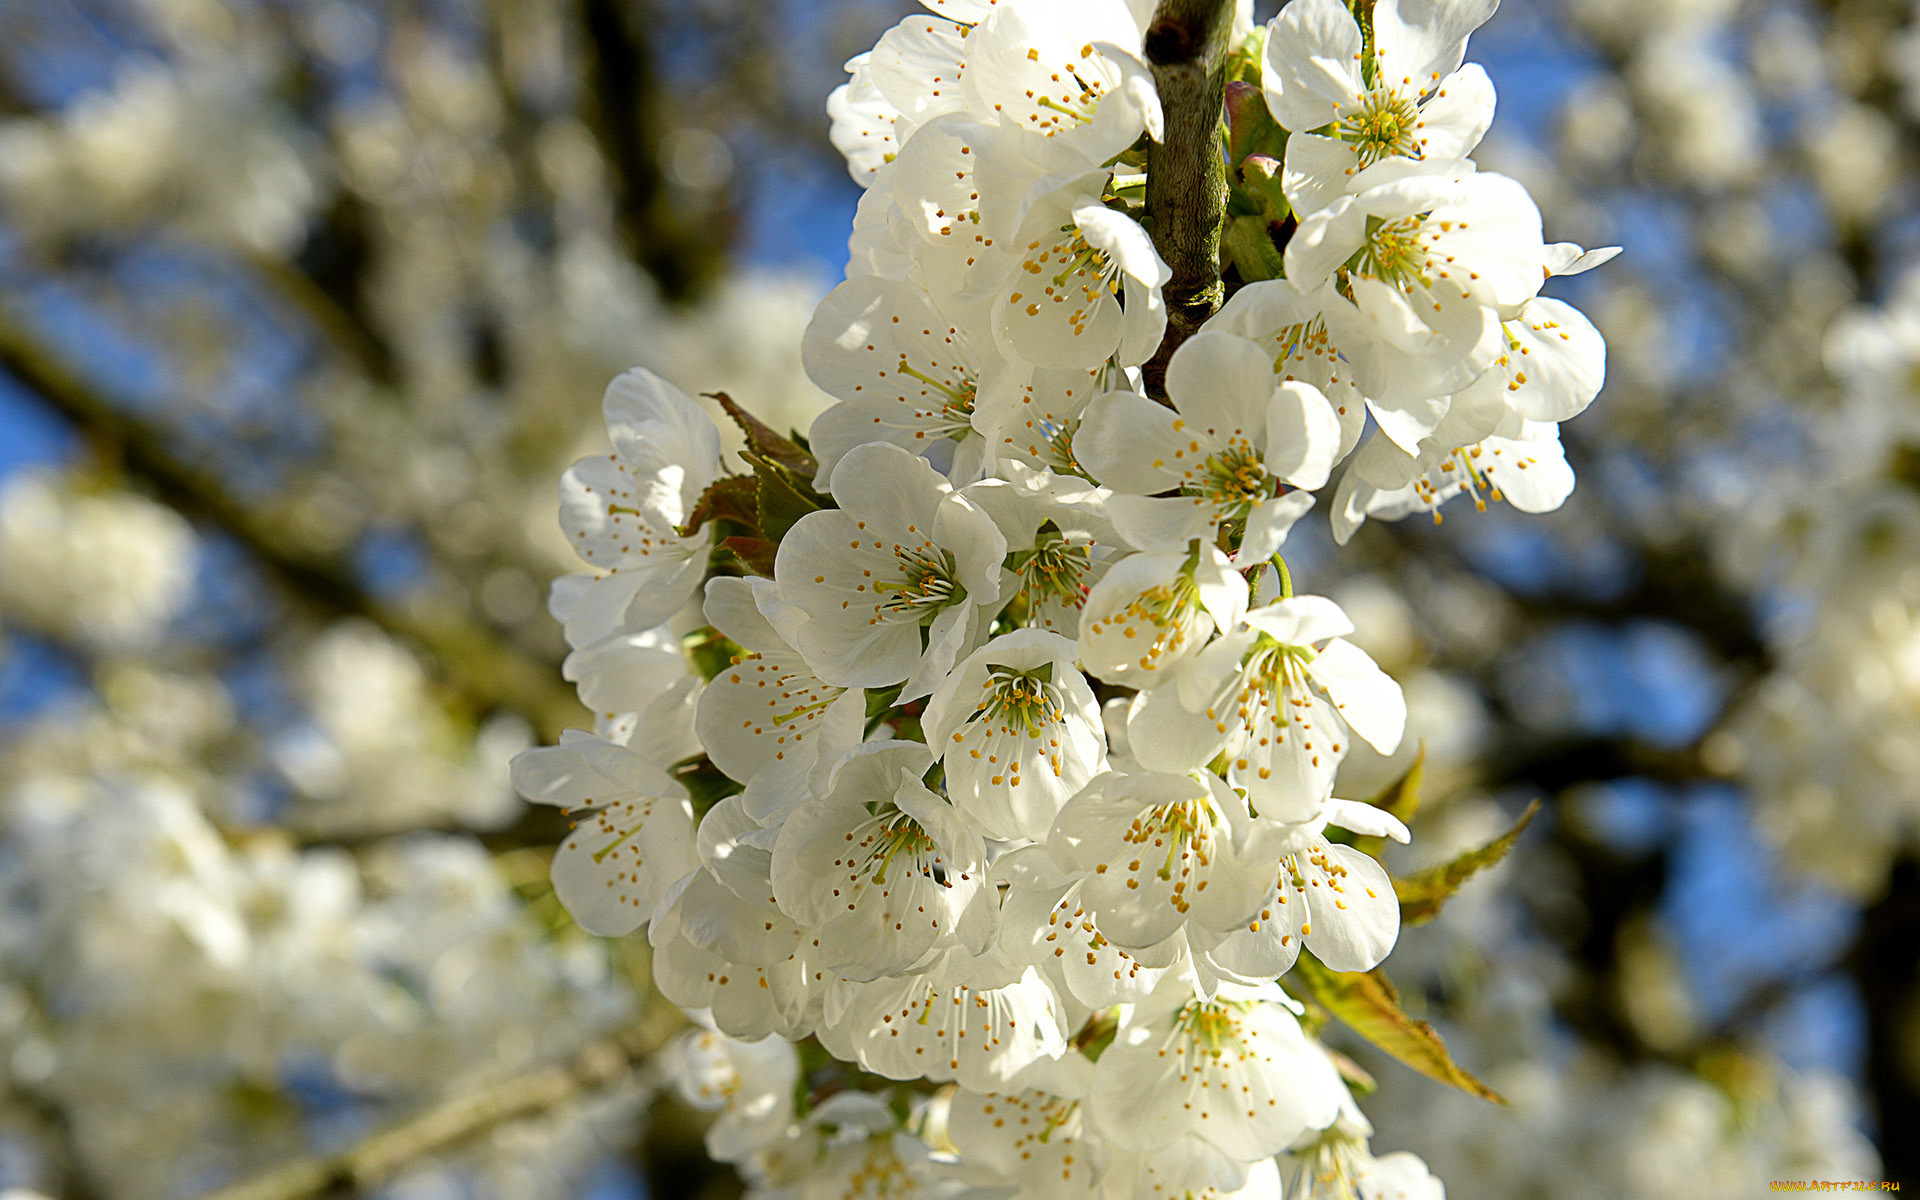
980,736
225,167
370,750
1830,741
194,1006
101,569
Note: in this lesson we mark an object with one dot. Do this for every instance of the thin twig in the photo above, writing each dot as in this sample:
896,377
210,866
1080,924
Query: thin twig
595,1067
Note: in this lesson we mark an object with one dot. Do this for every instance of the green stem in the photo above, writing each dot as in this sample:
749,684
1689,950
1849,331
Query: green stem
1286,577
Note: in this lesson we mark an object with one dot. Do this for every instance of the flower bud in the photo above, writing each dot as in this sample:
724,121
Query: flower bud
1250,126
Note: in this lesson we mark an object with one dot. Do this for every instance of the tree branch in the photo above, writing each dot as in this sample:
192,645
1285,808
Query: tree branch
1885,964
626,107
595,1067
1186,46
487,672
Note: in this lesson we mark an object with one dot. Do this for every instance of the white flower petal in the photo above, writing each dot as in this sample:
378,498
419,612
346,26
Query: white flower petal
1303,435
1268,526
1367,697
1243,1077
1355,915
1312,63
1125,440
1531,473
1323,241
1168,523
1422,40
1301,620
1456,116
1316,171
668,442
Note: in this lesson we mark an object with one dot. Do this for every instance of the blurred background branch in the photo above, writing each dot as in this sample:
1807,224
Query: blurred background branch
595,1067
486,672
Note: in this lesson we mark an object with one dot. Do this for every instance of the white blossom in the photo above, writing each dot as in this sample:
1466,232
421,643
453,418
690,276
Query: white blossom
1327,896
1239,448
107,570
1059,300
634,834
1036,749
766,719
1438,264
863,122
903,373
882,866
1413,104
1149,847
1280,697
901,552
749,1083
1036,1139
1016,727
1236,1073
1527,467
1060,542
953,1020
1155,609
621,512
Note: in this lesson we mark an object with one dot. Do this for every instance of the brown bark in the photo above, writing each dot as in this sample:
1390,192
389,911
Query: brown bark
1186,47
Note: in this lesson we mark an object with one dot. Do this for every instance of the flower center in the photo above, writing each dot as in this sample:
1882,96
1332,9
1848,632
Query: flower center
1051,572
1059,454
953,398
1075,256
1168,610
1055,1114
1274,665
1294,344
1022,700
1395,251
1384,125
1209,1027
1332,1164
1077,99
926,585
1269,672
896,835
1234,480
1069,271
1458,471
1184,829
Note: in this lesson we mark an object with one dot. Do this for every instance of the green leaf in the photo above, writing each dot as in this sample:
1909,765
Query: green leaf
763,441
1423,895
1368,1004
728,498
755,553
1402,796
882,701
783,499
